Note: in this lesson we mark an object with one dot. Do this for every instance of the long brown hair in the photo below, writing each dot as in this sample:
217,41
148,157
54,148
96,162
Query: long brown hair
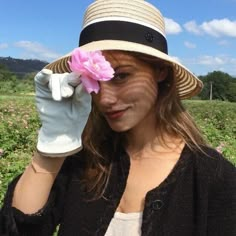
101,142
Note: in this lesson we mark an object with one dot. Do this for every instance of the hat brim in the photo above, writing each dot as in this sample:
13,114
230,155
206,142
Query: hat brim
188,84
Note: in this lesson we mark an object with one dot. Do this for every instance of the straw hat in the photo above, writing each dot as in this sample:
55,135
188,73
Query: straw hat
130,25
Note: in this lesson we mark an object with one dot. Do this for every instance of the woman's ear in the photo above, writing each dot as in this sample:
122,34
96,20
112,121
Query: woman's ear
163,72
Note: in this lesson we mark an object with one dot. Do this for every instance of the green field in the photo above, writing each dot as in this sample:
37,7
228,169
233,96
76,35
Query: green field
20,123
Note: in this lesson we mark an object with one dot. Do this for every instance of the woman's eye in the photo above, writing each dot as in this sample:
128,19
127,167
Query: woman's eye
121,76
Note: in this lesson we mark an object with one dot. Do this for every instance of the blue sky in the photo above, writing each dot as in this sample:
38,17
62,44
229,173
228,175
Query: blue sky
201,34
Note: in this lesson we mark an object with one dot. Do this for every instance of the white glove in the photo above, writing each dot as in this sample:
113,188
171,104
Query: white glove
63,107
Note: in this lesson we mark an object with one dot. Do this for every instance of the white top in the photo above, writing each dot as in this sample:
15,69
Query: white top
125,224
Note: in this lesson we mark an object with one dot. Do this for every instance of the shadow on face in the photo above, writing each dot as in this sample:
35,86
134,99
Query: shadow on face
131,95
132,76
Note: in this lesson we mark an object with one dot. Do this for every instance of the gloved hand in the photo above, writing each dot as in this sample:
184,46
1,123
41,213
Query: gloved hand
63,107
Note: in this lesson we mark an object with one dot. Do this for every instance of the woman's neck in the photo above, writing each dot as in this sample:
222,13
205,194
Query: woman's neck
143,134
146,141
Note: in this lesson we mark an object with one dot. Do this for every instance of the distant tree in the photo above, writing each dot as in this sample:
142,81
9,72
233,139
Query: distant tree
27,83
21,66
218,85
5,74
11,84
231,93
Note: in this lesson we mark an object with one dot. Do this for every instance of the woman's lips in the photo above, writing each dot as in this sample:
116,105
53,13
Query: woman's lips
115,114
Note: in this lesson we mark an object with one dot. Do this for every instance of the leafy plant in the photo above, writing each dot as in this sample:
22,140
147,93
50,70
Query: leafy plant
217,120
18,131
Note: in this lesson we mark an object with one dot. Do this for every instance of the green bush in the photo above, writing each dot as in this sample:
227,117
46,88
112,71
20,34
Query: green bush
14,84
217,120
18,134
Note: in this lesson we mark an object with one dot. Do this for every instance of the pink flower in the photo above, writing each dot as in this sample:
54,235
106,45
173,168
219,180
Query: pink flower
1,152
92,67
220,147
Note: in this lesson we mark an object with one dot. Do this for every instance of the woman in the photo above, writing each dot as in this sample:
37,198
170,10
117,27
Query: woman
144,168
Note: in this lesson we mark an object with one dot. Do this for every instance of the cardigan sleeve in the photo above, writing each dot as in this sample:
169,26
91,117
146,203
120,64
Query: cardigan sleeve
44,222
222,201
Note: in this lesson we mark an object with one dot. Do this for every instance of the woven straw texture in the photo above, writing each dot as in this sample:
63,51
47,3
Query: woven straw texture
139,12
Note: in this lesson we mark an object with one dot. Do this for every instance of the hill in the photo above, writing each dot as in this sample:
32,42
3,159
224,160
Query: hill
21,66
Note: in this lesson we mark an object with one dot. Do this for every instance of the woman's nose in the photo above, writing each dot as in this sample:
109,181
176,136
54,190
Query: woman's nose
107,94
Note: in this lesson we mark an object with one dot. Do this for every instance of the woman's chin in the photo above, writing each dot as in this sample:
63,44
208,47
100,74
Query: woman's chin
119,128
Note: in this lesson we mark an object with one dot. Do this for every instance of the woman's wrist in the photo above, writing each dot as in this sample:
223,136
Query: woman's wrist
46,165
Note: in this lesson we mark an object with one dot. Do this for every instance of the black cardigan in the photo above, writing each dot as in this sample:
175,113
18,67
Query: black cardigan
198,198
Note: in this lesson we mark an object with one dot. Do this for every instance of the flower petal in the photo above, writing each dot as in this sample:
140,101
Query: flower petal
90,85
93,67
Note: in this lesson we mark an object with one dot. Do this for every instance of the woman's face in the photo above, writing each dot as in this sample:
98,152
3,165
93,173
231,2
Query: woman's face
129,99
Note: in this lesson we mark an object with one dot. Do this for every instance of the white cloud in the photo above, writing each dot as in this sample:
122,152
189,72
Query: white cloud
223,43
233,61
211,60
215,28
215,61
192,27
189,44
176,59
172,27
218,28
207,63
36,50
3,45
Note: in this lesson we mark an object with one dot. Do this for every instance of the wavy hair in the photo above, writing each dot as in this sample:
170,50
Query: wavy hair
101,142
